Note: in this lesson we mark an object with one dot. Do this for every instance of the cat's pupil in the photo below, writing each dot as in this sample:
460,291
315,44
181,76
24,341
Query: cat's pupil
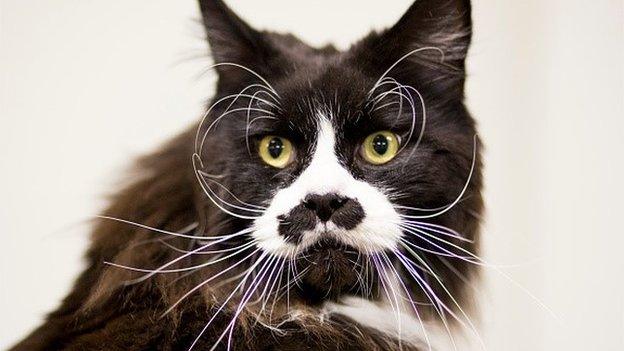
275,147
380,144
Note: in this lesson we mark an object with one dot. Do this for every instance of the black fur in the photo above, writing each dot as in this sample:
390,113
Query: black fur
103,312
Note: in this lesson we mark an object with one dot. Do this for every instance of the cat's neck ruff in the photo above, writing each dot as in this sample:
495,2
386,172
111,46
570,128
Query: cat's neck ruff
381,316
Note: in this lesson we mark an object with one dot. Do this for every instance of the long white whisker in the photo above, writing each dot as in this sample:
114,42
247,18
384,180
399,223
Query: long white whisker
232,96
473,328
249,270
197,159
161,269
415,309
203,283
248,70
436,229
230,193
376,85
461,194
435,305
246,296
248,126
437,253
223,115
253,210
143,226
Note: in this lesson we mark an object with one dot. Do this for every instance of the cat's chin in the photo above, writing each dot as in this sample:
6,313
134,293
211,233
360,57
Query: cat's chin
331,270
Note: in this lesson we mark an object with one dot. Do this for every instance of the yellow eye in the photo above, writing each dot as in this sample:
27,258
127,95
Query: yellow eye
276,151
380,147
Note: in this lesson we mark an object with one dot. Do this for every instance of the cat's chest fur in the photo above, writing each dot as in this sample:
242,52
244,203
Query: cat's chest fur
383,317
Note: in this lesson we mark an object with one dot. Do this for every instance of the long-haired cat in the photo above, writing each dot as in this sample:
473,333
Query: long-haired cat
327,200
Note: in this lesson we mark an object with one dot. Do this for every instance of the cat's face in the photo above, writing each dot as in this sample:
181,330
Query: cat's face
334,161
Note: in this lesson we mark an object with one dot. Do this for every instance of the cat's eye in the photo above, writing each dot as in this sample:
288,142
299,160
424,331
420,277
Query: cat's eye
380,147
276,151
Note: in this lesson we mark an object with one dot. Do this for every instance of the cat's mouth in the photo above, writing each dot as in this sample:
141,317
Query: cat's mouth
329,269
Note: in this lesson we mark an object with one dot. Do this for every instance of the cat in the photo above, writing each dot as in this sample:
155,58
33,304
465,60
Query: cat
327,200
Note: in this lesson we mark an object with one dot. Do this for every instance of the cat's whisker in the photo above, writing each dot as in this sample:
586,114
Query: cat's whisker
184,230
481,262
232,64
206,191
249,207
387,286
409,298
435,229
246,299
438,253
246,296
276,280
217,275
266,286
424,119
388,104
150,241
398,90
372,101
280,279
439,306
153,272
264,296
424,236
210,252
439,310
422,209
213,176
459,274
184,275
376,85
468,320
385,81
226,113
232,194
161,269
161,231
235,97
393,91
411,266
381,257
461,194
248,126
291,282
226,301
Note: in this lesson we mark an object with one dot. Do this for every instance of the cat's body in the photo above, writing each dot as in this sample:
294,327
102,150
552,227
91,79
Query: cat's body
298,207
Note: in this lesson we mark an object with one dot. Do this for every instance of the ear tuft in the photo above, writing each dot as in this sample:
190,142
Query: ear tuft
442,24
230,38
428,45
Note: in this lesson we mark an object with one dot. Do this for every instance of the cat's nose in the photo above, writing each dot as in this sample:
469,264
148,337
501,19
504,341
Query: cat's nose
325,205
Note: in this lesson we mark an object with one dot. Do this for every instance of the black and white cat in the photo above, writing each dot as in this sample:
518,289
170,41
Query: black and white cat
327,200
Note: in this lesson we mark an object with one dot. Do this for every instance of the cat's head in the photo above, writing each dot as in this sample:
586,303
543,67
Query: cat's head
355,169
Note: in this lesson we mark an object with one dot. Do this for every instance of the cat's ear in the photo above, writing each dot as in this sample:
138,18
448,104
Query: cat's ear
436,32
231,39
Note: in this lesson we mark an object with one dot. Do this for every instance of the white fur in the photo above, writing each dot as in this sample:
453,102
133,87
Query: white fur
380,316
379,229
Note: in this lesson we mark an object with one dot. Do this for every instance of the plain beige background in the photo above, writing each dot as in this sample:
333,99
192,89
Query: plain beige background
87,85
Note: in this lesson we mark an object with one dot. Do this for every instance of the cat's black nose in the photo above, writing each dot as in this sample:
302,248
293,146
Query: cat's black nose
344,213
325,205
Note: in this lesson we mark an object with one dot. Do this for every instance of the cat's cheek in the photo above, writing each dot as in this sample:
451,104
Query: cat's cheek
266,235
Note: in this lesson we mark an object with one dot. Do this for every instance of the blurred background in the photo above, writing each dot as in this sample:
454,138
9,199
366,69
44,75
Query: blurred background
85,86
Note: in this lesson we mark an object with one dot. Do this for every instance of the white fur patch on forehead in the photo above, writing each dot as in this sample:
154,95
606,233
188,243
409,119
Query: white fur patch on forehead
379,230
